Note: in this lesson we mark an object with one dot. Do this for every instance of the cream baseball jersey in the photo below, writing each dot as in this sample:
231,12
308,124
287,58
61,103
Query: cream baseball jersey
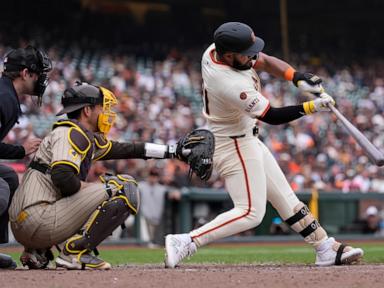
232,98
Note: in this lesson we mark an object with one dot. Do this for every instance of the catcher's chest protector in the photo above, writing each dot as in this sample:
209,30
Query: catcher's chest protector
83,141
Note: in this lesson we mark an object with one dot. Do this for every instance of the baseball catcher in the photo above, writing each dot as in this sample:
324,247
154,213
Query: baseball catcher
55,204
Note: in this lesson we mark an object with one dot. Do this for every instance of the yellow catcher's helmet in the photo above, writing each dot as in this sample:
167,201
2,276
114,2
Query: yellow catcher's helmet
84,94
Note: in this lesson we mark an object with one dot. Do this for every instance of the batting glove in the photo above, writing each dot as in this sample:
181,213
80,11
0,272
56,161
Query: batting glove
326,96
319,105
308,82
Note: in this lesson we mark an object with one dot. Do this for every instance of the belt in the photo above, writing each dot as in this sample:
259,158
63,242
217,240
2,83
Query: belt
43,168
255,132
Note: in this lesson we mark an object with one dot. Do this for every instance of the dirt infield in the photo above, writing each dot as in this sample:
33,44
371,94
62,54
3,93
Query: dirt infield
271,276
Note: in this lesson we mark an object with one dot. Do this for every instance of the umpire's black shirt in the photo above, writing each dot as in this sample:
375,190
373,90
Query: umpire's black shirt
9,113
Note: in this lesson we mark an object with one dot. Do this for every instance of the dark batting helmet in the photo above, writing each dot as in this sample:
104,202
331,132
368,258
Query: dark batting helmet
237,37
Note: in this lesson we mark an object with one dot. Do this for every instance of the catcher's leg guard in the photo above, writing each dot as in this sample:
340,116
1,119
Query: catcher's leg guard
108,216
77,249
304,223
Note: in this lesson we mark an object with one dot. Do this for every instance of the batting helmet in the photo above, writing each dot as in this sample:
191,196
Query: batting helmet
237,37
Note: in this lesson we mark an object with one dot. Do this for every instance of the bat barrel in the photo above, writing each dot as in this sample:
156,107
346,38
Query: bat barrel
374,154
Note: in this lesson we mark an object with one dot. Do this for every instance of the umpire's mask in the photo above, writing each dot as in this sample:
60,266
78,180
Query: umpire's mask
36,61
84,94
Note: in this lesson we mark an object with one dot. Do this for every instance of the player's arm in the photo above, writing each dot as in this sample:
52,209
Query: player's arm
65,178
250,101
281,115
11,151
305,81
69,147
137,150
107,150
274,66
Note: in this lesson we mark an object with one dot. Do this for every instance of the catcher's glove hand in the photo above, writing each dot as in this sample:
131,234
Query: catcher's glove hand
196,149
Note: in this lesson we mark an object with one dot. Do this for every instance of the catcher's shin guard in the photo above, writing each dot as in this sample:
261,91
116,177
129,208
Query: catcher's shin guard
304,223
108,216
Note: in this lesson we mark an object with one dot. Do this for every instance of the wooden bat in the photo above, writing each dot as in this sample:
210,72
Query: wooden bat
373,153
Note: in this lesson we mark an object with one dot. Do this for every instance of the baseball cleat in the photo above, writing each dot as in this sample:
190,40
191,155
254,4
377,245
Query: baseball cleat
36,258
81,261
177,247
332,252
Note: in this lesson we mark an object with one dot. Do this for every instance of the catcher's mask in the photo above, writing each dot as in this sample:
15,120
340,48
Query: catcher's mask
36,61
84,94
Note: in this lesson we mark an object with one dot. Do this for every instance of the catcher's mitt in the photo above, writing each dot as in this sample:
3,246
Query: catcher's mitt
196,149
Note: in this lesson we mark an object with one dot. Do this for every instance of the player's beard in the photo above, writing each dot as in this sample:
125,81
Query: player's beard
237,65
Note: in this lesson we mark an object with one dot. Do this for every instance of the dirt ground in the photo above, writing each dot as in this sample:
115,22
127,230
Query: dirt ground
271,276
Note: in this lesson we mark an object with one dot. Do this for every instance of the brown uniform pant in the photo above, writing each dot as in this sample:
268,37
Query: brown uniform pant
45,225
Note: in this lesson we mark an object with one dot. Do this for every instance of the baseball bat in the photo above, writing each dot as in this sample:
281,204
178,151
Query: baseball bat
374,154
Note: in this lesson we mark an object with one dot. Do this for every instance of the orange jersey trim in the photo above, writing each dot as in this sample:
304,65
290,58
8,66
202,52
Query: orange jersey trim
265,111
214,60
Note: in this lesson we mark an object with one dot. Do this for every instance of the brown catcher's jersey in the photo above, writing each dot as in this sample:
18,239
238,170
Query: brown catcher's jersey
232,98
58,147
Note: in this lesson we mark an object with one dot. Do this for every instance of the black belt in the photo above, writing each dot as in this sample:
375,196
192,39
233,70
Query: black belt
43,168
255,132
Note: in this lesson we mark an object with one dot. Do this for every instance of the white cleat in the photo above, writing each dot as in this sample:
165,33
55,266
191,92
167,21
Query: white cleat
177,247
334,253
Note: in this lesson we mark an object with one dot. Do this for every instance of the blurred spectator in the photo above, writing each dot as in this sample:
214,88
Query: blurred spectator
371,223
152,206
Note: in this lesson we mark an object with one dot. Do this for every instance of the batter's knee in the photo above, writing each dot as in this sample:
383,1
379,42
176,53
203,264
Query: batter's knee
253,217
257,215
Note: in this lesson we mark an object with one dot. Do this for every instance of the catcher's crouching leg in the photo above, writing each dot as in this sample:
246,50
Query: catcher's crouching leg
328,251
108,216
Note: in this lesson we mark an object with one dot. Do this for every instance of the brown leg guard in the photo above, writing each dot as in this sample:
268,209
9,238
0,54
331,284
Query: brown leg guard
304,222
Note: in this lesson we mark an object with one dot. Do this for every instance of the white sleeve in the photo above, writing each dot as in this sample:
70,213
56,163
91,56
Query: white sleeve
248,100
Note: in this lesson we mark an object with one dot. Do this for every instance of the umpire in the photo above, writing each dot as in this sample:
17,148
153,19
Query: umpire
25,73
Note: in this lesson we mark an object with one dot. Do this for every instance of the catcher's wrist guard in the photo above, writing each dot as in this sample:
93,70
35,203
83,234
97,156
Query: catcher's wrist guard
197,149
159,151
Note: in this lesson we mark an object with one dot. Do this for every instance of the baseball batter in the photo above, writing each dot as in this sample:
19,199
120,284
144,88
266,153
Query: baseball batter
233,104
54,204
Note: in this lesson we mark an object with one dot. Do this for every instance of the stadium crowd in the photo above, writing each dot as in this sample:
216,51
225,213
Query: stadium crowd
160,100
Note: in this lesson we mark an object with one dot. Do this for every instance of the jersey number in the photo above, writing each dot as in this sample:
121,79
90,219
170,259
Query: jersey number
205,100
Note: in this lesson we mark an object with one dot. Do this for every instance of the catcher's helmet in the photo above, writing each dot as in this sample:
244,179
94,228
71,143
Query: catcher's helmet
79,96
84,94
